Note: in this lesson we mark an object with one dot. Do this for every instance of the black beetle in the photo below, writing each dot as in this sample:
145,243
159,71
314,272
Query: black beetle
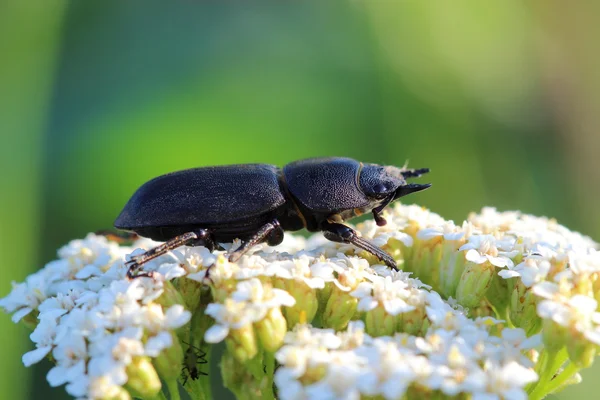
258,202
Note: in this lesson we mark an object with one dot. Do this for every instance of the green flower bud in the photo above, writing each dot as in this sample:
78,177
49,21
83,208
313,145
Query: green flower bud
246,380
241,343
143,381
573,380
474,283
271,330
306,305
425,260
595,277
451,267
379,323
118,393
523,309
168,363
499,293
339,310
581,351
399,251
484,309
190,291
170,296
554,336
414,322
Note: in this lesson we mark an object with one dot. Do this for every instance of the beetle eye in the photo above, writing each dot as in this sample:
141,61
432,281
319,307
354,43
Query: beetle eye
380,188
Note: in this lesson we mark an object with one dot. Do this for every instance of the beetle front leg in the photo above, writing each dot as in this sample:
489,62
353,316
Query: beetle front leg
343,234
271,232
198,237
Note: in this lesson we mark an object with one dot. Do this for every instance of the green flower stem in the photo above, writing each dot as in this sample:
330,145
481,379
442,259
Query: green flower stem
173,388
566,374
160,396
549,363
269,360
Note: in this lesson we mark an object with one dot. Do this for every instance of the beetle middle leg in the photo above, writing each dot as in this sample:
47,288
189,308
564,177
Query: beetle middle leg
271,232
343,234
198,237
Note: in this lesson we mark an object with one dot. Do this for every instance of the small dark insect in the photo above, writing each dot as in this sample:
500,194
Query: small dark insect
257,202
194,356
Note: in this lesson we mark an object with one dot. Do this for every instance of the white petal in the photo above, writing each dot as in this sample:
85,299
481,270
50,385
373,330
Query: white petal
593,336
508,273
17,316
397,306
284,298
475,257
546,289
78,388
547,308
57,376
171,271
367,304
583,304
315,283
216,333
156,344
501,261
363,289
177,316
514,394
35,356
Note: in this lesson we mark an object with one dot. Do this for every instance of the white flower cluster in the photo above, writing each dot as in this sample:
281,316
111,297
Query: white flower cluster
384,333
91,320
458,356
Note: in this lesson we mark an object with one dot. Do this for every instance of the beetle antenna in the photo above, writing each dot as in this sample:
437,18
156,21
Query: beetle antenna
413,173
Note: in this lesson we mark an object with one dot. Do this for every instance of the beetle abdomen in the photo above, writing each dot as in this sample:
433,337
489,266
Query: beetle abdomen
211,195
326,185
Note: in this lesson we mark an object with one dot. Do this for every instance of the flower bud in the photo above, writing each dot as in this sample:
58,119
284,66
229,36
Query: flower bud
241,343
271,330
306,301
339,310
143,380
426,260
170,296
398,250
245,380
168,363
474,283
581,351
452,264
498,295
554,336
119,394
379,322
523,309
190,291
414,322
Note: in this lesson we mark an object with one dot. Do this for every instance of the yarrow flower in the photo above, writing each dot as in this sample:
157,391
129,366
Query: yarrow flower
502,306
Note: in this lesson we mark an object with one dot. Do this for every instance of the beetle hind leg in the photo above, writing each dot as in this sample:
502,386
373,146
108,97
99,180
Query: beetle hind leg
271,232
343,234
196,238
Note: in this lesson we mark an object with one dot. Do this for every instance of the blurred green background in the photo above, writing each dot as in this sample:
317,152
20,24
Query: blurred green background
500,99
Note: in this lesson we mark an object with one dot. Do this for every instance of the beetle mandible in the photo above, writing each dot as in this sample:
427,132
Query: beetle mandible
256,203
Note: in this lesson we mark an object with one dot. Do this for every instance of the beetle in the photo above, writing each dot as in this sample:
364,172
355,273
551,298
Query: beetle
256,203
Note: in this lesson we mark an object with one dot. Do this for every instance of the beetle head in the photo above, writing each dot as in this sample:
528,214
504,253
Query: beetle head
384,184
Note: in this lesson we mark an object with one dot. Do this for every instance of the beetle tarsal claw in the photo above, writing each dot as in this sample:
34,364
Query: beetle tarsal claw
379,220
